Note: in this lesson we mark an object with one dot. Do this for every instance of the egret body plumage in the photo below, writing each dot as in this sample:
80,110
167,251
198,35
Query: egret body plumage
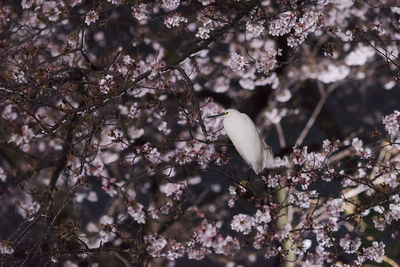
247,140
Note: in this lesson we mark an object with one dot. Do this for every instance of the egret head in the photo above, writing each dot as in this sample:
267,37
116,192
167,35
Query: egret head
226,113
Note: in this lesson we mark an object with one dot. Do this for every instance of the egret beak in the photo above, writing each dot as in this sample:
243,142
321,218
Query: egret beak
218,115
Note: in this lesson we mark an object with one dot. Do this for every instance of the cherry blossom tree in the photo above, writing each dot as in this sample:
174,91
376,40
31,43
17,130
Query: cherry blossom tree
108,157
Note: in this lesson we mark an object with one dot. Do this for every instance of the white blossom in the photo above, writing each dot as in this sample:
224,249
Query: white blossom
8,113
6,248
170,4
106,84
283,24
262,216
236,62
91,17
173,189
350,245
391,122
205,27
376,252
139,12
3,176
155,245
255,29
242,223
134,111
306,24
360,55
283,233
174,20
267,61
137,213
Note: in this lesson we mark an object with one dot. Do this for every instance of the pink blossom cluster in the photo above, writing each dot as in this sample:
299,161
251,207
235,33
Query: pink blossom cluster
106,84
174,20
392,122
254,29
174,190
236,62
283,24
170,4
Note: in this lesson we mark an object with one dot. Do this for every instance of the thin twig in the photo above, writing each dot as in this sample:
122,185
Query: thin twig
281,135
317,110
196,101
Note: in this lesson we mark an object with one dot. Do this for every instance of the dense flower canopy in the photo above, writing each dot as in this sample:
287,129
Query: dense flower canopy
108,157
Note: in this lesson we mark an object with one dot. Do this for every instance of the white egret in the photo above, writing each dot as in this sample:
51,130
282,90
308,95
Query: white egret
247,140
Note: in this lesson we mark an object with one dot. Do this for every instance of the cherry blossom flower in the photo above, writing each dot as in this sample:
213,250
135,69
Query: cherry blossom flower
3,176
333,73
27,4
109,186
302,199
283,96
27,207
236,62
8,113
155,245
272,181
91,17
170,4
275,116
205,28
307,24
149,152
329,146
20,77
196,253
254,30
362,152
226,246
242,223
23,140
106,84
176,250
174,190
163,127
6,248
267,61
393,213
137,213
360,56
375,252
134,111
95,168
262,216
205,234
391,122
51,9
334,207
139,12
174,20
322,238
283,233
283,24
349,245
115,2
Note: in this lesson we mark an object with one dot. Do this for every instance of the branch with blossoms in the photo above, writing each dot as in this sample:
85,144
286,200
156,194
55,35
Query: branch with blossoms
108,155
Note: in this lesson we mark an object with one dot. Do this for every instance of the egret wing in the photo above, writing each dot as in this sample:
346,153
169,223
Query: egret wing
245,137
268,156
